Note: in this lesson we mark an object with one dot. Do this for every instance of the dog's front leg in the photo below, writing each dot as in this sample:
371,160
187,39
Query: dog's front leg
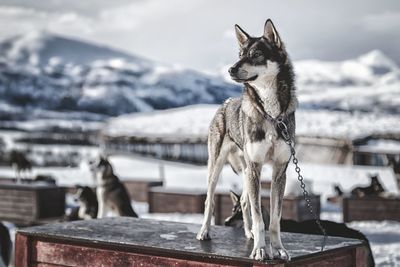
252,181
281,161
244,203
215,165
102,209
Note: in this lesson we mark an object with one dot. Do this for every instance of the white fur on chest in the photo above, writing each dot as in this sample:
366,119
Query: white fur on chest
100,193
268,149
82,210
266,87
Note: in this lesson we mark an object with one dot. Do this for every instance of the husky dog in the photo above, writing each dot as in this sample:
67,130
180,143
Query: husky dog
375,189
245,133
304,227
111,193
88,205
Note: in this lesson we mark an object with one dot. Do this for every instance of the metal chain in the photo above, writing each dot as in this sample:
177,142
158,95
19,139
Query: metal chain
284,131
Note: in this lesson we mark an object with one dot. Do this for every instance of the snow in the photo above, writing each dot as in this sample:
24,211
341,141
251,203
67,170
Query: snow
366,69
381,146
384,238
194,121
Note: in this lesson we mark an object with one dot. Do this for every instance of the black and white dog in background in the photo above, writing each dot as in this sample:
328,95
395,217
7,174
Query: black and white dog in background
244,133
88,204
111,193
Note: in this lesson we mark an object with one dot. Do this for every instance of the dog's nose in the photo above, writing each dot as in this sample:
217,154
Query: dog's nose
233,70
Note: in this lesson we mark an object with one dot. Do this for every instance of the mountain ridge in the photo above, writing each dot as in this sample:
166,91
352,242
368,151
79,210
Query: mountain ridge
39,71
44,72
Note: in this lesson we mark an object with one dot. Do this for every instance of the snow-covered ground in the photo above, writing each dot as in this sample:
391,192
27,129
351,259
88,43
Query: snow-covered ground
320,177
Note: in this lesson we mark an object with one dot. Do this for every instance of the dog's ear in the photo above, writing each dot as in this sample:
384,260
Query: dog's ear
234,197
271,34
241,35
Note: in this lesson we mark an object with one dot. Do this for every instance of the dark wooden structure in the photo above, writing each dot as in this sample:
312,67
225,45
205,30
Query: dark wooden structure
139,189
266,184
294,207
30,204
371,208
165,200
138,242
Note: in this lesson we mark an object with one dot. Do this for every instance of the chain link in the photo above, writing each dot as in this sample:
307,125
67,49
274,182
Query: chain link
284,131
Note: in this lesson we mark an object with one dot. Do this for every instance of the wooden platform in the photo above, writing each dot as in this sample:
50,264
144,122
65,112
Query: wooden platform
371,208
294,207
138,242
29,204
166,200
139,189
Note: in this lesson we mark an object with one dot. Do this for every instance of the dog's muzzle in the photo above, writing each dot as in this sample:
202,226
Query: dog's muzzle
239,75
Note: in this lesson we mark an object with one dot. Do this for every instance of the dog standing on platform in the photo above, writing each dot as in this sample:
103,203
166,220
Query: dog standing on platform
244,132
111,193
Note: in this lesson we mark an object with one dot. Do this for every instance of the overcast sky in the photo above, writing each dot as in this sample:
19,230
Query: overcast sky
199,33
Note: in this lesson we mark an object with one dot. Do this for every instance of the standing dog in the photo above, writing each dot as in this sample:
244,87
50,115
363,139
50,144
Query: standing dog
111,193
244,132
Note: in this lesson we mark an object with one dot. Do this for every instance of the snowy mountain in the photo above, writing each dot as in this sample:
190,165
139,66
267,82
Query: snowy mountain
369,83
48,76
368,69
41,71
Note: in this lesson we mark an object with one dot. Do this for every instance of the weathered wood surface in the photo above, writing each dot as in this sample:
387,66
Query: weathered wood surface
294,207
131,242
165,200
371,208
27,204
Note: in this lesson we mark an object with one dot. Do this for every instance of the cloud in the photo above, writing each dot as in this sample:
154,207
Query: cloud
386,22
200,33
23,20
229,34
130,16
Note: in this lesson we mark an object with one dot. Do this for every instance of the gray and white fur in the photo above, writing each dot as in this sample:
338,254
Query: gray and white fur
111,193
241,135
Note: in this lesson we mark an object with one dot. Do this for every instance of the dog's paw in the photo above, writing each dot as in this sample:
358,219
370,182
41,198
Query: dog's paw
203,234
259,254
279,253
248,234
